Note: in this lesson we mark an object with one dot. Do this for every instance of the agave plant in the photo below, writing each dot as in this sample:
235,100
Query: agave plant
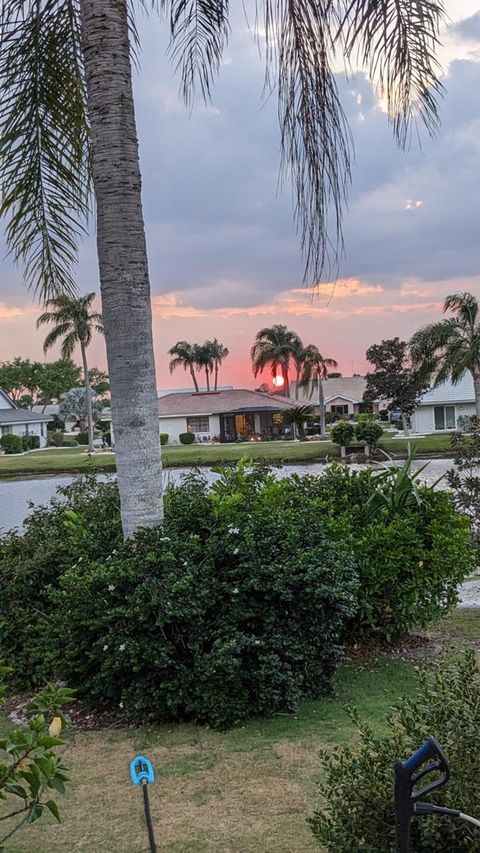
399,488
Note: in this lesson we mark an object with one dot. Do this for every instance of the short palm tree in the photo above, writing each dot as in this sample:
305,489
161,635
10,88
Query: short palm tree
297,417
449,348
218,352
67,124
314,372
75,323
275,347
184,355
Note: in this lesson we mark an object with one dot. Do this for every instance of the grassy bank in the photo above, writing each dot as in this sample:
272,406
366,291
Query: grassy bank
75,459
247,790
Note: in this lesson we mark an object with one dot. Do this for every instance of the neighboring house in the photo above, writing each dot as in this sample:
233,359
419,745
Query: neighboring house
222,415
52,410
441,407
15,421
343,396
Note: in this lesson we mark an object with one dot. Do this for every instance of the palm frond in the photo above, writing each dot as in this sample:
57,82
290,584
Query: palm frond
69,343
55,334
396,41
316,144
465,305
44,156
198,35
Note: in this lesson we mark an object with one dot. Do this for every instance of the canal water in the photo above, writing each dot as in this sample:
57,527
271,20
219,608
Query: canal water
18,494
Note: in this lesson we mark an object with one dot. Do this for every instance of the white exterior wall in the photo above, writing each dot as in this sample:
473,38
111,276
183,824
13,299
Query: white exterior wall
340,401
21,429
176,425
423,419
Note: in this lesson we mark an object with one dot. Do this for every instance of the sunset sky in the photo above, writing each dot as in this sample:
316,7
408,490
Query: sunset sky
224,255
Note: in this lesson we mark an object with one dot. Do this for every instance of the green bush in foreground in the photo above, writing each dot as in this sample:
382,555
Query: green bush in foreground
31,773
356,809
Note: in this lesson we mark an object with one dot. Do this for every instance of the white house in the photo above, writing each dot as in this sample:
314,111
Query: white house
222,415
343,396
15,421
441,407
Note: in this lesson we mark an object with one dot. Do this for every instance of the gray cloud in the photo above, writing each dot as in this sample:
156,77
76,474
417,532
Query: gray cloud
468,29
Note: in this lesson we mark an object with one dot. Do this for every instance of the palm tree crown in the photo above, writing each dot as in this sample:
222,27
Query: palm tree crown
184,355
446,349
314,369
74,322
275,347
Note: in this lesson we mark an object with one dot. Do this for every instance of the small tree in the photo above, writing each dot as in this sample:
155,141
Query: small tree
394,379
343,433
74,406
297,417
464,479
368,432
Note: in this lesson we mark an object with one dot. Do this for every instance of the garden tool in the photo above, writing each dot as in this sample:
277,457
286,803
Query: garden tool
142,773
408,797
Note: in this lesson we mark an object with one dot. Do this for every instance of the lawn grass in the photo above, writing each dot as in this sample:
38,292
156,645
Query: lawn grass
75,459
248,789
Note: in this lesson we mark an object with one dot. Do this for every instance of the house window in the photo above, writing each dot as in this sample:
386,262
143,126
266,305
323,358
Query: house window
198,424
444,417
339,410
7,430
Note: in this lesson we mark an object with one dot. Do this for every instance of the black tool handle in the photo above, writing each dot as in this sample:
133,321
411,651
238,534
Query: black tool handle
148,818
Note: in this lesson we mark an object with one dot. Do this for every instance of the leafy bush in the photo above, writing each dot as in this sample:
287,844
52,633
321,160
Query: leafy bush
230,609
30,771
464,479
187,437
163,438
342,433
11,443
356,811
55,538
30,442
82,437
412,548
69,442
55,439
368,432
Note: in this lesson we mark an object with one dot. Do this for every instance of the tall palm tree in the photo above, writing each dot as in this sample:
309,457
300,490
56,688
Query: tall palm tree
218,353
275,347
184,355
204,360
449,348
314,372
75,322
67,120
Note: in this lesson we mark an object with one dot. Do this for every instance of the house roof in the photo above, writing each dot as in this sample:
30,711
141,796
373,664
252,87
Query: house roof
349,388
221,403
446,392
21,416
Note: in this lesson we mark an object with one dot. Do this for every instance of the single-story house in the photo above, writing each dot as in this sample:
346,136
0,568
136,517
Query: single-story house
343,396
222,415
441,407
16,421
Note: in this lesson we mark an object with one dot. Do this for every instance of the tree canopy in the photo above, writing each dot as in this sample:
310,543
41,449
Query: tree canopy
31,383
394,379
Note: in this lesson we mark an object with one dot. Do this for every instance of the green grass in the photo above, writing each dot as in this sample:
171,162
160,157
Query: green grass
247,790
74,459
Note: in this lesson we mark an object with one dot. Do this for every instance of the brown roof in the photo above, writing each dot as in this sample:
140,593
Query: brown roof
221,403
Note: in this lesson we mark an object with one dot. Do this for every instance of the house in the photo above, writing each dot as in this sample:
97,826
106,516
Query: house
15,421
441,407
343,396
222,415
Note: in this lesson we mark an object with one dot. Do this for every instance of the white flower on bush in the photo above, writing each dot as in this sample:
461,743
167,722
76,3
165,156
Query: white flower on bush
165,539
236,550
235,590
105,647
233,529
111,587
121,647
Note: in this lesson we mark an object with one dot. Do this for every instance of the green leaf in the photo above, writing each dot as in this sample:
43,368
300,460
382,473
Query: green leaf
17,790
52,806
48,741
35,813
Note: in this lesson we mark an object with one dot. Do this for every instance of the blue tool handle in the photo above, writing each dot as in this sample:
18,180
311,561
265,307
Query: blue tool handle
426,751
141,770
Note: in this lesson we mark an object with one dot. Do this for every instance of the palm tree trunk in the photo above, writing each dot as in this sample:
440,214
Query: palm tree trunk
195,383
286,381
321,405
216,376
476,385
207,374
88,397
297,380
123,263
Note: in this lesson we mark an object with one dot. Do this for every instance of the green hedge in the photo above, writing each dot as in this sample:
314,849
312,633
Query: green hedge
239,605
186,437
163,438
12,443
